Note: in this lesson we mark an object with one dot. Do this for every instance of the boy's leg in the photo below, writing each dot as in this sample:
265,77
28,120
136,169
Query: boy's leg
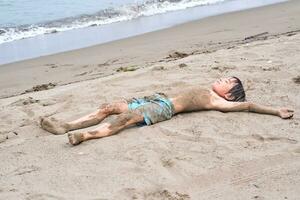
97,116
57,127
106,129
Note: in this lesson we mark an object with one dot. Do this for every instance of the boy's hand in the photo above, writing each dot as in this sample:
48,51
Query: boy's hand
285,113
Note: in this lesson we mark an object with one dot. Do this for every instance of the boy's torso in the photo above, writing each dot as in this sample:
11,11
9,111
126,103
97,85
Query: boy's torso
192,99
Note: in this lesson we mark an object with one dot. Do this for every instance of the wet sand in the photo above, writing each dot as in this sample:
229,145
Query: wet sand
202,155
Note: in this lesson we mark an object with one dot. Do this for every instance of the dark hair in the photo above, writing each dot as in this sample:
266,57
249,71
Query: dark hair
237,92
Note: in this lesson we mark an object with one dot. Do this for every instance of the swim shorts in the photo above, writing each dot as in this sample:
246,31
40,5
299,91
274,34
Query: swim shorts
155,108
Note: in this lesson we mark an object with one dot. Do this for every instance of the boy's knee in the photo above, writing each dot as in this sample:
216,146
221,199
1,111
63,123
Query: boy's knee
112,108
106,109
125,117
134,115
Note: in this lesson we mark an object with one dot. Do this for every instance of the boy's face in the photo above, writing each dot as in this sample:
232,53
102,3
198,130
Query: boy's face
223,86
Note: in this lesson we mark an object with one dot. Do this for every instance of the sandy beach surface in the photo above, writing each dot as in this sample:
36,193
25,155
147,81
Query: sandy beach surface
201,155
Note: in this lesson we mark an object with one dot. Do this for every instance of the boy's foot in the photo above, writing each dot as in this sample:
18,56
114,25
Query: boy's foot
54,126
75,138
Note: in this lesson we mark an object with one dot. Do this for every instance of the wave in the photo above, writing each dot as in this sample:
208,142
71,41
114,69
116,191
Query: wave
106,16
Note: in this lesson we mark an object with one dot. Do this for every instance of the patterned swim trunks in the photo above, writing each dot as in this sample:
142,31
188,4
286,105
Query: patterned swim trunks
155,108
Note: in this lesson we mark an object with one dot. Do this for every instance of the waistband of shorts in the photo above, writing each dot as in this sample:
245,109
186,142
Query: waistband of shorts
162,97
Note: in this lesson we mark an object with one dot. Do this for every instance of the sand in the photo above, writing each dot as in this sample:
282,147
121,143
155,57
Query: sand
201,155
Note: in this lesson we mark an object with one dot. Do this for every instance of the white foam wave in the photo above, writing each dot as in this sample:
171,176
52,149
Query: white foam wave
108,16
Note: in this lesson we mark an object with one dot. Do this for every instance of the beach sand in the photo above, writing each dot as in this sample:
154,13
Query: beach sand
200,155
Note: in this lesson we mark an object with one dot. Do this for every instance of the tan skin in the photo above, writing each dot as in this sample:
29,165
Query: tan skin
194,99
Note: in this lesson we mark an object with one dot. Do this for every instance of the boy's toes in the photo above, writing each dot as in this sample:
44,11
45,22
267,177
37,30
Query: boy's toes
71,140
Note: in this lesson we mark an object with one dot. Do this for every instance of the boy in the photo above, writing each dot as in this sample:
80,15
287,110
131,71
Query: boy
226,95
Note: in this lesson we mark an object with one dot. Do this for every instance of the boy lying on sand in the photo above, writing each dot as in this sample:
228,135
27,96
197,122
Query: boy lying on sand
226,95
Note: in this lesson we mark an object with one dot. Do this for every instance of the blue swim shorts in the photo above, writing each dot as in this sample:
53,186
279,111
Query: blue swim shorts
155,108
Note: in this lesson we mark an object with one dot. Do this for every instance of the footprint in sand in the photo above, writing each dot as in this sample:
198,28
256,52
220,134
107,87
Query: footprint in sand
26,101
167,162
273,68
81,74
184,135
108,62
136,156
12,142
133,193
129,193
297,150
222,69
28,112
31,100
43,196
281,139
25,170
166,194
51,65
158,68
47,102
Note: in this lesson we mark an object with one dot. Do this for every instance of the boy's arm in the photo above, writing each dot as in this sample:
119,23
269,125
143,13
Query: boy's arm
227,106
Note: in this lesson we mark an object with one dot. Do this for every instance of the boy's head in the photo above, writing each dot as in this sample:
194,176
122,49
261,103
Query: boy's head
230,89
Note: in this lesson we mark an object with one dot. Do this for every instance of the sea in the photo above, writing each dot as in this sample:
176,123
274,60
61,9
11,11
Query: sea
37,24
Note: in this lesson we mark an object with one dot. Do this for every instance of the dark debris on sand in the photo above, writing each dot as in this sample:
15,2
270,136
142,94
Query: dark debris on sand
182,65
41,87
257,36
297,79
177,54
127,69
30,100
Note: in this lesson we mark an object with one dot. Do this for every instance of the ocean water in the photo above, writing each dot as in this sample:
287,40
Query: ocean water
21,19
34,28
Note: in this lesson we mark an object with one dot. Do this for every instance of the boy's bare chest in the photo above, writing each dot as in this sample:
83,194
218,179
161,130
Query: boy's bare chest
192,100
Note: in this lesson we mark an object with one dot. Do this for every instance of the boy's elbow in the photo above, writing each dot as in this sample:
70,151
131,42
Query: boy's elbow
250,106
223,110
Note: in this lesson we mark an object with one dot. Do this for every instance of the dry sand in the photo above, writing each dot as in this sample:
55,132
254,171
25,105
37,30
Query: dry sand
201,155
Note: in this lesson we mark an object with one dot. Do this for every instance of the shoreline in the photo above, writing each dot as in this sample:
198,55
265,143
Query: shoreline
143,50
116,54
